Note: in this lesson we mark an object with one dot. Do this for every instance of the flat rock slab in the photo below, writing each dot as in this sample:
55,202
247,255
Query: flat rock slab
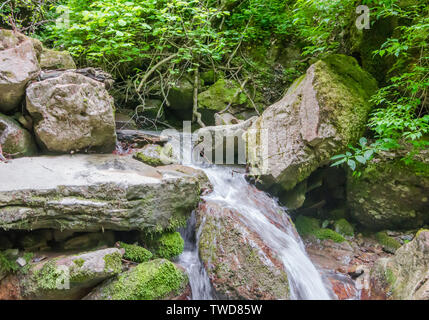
93,192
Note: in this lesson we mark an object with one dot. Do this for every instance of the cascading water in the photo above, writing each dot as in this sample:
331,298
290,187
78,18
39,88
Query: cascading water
228,190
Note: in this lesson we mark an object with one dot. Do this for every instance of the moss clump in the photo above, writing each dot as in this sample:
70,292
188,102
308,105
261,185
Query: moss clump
342,226
135,253
156,279
113,262
389,244
79,262
7,264
49,277
152,161
220,94
166,245
306,226
325,234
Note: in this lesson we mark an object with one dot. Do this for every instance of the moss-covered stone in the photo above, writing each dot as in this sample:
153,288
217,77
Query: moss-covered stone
156,279
52,59
342,226
328,234
219,95
390,194
306,225
166,245
136,253
389,244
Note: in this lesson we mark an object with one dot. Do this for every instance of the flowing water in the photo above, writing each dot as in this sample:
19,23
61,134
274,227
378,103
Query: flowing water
229,190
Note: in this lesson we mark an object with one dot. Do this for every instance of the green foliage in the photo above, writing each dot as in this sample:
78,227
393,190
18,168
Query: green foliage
27,16
135,253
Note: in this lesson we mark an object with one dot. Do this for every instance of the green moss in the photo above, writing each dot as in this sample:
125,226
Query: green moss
136,253
342,226
49,277
156,279
306,226
389,244
220,94
390,277
325,234
79,262
420,231
152,161
166,245
113,262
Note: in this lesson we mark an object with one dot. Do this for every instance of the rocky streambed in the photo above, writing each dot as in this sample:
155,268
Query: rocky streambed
89,210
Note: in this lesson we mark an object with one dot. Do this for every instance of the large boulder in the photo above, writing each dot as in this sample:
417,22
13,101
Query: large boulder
405,275
92,193
18,66
52,59
63,277
238,263
322,112
72,112
15,140
154,280
390,194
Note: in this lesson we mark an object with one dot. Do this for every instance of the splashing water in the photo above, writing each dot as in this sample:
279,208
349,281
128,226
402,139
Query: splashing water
263,215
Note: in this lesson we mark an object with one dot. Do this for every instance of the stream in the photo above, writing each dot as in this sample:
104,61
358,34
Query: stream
228,185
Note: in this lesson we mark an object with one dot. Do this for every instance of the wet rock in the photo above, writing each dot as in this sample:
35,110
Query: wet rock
154,280
72,112
390,194
15,141
52,59
238,263
322,112
225,119
155,155
124,122
405,275
138,138
18,66
94,192
63,277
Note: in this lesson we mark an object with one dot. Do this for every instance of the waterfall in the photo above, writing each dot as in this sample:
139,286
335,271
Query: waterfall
229,185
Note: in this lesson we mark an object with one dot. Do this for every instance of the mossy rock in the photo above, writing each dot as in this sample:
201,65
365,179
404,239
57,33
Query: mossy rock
328,234
153,280
155,155
307,226
389,244
342,226
52,59
219,95
136,253
166,245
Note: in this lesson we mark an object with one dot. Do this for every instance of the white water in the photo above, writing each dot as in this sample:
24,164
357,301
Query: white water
231,189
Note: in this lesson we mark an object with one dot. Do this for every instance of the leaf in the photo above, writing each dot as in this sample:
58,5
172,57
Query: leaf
338,156
363,141
361,159
325,224
368,154
352,164
339,162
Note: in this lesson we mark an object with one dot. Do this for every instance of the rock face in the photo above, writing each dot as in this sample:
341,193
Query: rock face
63,277
156,279
72,112
52,59
405,275
94,192
15,140
320,114
238,263
390,195
18,66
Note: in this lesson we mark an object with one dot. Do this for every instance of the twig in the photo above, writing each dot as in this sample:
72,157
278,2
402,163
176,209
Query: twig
152,70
